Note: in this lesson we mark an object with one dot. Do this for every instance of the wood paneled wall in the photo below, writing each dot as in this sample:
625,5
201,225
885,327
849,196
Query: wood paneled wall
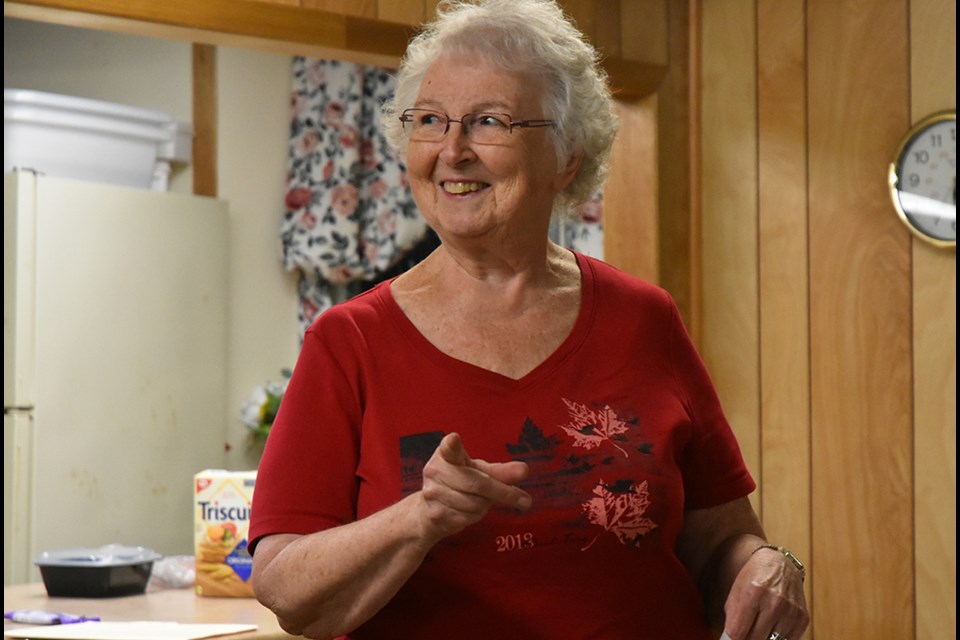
830,331
762,206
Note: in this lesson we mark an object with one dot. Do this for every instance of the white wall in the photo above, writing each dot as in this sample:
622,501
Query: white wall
254,123
253,116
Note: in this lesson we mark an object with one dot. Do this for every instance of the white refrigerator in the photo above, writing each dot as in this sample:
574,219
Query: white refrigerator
114,364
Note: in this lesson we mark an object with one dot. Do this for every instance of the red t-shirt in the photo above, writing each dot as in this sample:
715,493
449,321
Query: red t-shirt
622,430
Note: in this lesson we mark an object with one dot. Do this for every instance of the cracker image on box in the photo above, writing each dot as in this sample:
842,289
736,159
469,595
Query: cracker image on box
221,519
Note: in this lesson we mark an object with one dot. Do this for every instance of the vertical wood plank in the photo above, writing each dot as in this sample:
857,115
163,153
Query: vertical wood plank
730,342
643,30
630,192
933,76
606,28
676,155
695,22
204,120
429,10
583,13
935,364
861,388
784,286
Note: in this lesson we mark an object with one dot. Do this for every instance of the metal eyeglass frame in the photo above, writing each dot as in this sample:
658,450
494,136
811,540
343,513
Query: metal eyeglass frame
408,116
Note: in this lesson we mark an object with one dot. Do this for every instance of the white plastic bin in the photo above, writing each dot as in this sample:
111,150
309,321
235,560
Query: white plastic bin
71,137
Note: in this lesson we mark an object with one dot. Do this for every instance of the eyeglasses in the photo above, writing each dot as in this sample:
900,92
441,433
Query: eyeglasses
425,125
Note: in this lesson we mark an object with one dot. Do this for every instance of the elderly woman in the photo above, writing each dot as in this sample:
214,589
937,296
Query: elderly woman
510,440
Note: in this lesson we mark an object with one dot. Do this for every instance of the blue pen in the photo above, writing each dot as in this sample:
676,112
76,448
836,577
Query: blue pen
31,616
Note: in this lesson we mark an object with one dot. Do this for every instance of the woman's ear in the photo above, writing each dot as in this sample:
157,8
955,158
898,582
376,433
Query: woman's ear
566,173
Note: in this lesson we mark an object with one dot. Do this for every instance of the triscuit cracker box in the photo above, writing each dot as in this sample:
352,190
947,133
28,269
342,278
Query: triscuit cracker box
222,502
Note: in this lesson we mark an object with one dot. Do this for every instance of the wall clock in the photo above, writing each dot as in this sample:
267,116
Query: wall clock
923,179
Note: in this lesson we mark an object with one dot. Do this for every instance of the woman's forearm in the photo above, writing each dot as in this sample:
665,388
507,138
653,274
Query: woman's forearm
748,588
714,545
722,570
326,584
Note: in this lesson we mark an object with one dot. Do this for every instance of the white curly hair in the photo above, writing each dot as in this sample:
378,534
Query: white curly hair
530,37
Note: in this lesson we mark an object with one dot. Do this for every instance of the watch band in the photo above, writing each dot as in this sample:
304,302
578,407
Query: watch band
794,560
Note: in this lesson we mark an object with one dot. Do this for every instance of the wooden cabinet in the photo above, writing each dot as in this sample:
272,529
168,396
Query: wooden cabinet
631,34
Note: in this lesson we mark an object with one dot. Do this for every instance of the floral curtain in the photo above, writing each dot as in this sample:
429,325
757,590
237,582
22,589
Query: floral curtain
582,231
349,215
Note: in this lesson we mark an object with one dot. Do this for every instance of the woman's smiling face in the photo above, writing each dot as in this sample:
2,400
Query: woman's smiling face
470,190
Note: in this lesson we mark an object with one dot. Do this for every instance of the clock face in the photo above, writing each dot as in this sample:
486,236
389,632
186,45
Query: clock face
924,180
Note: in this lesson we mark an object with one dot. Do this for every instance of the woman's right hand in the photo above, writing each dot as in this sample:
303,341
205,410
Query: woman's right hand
459,490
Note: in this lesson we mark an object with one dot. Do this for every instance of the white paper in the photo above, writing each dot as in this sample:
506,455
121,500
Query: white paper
128,631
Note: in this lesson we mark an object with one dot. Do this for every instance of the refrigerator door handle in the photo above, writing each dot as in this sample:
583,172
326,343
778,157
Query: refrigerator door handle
17,410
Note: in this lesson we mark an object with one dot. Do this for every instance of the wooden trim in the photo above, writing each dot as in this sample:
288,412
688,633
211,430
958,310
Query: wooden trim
277,27
249,18
632,80
205,120
695,318
645,30
784,282
676,192
630,193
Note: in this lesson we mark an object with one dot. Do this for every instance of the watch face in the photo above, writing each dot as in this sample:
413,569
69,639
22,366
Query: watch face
925,187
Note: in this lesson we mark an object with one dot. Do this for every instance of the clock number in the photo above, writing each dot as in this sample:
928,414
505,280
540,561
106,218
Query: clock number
923,179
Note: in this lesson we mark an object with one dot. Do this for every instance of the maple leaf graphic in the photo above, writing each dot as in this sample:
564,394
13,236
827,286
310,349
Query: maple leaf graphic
590,428
620,511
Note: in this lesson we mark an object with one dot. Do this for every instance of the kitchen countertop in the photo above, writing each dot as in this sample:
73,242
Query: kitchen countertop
175,605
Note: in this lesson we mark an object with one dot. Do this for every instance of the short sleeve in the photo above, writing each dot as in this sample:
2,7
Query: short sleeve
307,478
712,464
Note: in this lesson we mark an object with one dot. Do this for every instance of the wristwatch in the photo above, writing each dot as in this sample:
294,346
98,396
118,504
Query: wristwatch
788,555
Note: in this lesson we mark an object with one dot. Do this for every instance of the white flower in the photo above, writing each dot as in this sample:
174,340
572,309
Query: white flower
253,408
260,410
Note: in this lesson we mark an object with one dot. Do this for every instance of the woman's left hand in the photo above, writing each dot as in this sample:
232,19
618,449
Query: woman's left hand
766,600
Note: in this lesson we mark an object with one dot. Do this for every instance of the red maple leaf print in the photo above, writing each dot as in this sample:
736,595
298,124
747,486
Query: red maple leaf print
590,428
620,512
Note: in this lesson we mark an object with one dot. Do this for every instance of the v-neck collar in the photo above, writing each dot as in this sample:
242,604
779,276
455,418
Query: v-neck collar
486,377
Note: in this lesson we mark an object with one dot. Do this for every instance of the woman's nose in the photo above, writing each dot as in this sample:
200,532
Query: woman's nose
456,144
